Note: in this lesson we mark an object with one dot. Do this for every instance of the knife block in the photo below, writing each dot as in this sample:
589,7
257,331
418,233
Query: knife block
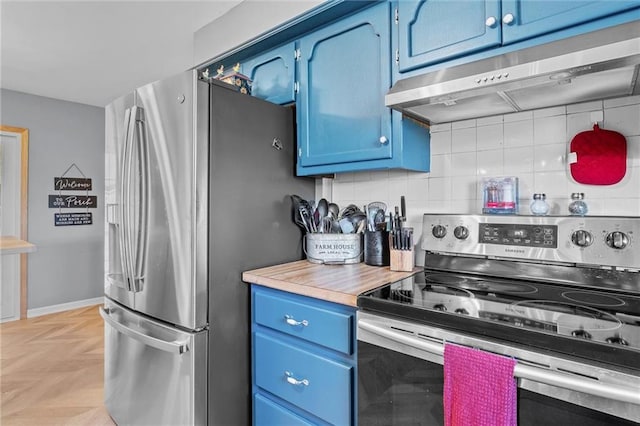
401,260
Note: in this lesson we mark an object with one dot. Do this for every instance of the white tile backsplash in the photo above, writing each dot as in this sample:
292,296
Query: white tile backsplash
633,151
518,116
462,164
441,142
518,133
585,106
531,145
625,119
490,162
629,100
494,119
518,160
463,140
490,136
550,130
549,112
549,157
578,122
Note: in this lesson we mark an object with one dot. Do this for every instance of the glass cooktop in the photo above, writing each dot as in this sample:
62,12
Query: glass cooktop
599,325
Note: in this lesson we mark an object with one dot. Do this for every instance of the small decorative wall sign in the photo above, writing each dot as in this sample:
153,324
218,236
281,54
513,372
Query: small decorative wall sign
68,219
72,201
71,184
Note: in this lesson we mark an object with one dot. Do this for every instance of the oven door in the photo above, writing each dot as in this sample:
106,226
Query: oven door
400,380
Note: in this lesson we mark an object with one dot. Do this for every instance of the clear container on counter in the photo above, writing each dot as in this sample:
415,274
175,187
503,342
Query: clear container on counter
539,205
577,206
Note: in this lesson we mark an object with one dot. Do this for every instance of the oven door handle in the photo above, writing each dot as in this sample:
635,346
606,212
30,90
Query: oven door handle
536,374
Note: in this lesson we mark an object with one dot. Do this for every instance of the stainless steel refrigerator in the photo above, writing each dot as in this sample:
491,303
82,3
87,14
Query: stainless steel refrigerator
198,178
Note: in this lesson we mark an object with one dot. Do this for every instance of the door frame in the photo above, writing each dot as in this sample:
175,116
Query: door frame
23,135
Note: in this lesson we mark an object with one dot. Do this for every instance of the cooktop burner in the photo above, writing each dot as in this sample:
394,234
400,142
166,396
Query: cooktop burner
593,299
601,326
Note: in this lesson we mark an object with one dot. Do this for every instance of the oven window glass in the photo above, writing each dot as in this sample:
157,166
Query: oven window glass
398,389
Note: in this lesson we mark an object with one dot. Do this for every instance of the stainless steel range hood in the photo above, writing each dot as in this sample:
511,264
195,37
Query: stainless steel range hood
598,65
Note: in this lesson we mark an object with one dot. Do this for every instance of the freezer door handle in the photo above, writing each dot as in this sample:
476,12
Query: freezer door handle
142,221
123,232
134,220
176,347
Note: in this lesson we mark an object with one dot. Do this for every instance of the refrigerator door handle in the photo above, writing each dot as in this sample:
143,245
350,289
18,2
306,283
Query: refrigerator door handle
123,231
139,257
175,347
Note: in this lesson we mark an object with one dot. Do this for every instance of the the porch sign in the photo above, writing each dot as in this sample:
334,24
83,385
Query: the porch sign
72,201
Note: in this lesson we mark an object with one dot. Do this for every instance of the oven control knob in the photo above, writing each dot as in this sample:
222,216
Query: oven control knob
617,340
440,307
439,231
462,311
581,333
617,240
582,238
461,232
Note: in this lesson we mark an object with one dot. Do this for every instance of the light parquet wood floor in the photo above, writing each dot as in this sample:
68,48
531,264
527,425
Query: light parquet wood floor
51,370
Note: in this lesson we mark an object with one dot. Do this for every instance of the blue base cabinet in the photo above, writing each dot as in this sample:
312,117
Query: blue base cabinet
303,360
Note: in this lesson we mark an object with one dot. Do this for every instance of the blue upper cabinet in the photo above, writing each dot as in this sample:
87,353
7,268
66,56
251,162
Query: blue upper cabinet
522,19
431,31
344,72
273,74
434,31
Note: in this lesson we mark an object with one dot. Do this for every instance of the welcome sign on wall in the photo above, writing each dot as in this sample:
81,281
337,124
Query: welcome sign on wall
72,200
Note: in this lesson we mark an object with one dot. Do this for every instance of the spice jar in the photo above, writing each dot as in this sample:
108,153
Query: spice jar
577,206
539,205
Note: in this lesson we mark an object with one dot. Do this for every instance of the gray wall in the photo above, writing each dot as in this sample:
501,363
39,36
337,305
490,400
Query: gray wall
68,264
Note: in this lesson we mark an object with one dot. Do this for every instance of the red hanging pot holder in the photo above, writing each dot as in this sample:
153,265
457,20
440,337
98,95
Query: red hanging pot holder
599,157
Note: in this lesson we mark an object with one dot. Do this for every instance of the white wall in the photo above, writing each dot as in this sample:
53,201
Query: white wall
531,145
245,22
68,265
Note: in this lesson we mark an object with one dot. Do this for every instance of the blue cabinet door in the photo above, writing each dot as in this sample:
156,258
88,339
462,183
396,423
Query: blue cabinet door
431,31
318,385
522,19
344,72
267,412
273,74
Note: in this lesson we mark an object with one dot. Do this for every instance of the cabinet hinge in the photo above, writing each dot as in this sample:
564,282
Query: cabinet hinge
396,16
397,57
296,54
296,87
299,152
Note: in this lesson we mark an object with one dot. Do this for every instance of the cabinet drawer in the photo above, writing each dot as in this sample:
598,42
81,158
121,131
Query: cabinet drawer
318,385
313,323
267,412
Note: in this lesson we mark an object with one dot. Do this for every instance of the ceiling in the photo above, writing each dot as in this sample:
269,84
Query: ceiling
92,52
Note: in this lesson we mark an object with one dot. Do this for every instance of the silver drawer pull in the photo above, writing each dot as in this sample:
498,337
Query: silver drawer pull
295,381
291,321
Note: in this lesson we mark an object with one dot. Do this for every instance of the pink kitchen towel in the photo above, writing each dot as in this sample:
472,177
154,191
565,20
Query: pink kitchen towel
479,388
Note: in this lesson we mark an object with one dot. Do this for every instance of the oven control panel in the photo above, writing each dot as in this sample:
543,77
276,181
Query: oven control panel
525,235
598,241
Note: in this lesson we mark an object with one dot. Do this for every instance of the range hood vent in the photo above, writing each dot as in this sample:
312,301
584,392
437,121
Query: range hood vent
599,65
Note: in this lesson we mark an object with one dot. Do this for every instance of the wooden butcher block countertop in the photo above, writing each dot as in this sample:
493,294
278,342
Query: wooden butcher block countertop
333,283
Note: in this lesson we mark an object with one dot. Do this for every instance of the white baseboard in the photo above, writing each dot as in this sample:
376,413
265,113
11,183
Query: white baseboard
63,307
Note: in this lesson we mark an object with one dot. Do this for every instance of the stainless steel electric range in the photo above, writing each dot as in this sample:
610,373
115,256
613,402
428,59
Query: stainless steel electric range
560,294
